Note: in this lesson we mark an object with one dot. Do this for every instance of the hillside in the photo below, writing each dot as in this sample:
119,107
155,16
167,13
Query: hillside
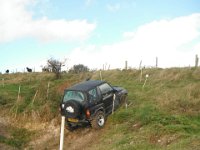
162,114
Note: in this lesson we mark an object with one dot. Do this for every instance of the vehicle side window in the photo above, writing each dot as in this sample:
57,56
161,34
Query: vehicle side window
105,88
92,95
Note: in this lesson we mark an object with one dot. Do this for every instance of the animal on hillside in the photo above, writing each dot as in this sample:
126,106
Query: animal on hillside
28,69
7,71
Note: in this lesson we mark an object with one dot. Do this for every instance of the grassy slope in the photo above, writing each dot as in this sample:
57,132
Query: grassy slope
162,115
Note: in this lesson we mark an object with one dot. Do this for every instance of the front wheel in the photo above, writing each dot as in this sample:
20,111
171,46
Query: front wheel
98,121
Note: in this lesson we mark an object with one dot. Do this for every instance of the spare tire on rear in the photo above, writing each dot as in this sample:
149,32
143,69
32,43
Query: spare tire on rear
72,109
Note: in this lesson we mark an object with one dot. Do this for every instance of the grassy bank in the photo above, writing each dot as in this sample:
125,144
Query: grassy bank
162,114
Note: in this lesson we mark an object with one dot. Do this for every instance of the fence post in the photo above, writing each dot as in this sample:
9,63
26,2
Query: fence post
126,103
19,90
114,96
141,71
140,66
145,81
196,60
126,65
62,132
48,90
34,97
3,82
100,75
156,62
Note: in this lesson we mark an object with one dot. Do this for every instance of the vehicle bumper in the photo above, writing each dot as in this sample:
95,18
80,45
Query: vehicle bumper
77,121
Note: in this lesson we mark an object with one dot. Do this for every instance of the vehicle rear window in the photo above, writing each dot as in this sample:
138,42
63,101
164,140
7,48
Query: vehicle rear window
73,95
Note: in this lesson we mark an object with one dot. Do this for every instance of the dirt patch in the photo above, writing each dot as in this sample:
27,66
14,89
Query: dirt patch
163,140
4,127
81,138
48,136
4,132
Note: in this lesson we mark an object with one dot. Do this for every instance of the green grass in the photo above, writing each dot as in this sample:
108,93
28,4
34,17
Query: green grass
18,138
162,115
166,109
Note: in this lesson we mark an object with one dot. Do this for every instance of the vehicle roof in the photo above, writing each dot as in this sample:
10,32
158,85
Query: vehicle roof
86,85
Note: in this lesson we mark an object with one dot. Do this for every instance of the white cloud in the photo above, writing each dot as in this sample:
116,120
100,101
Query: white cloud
128,35
17,22
172,41
88,2
113,7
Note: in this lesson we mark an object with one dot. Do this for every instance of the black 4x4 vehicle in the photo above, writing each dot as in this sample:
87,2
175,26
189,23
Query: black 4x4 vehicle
90,102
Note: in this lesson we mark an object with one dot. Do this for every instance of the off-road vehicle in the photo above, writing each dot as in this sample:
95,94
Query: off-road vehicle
90,102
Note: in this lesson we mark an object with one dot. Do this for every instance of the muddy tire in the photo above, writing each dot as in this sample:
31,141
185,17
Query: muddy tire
98,121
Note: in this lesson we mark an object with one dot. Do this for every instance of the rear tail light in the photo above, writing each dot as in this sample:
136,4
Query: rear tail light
87,113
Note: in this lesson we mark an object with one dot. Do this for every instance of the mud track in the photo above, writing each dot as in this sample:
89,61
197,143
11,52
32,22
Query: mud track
81,138
48,137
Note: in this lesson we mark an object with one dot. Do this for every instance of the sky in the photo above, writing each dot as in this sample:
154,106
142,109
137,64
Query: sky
98,33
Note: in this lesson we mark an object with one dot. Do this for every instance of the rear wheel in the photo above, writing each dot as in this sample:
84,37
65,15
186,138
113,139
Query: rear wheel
98,121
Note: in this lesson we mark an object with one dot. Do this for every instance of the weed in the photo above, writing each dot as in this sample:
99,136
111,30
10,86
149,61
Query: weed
19,137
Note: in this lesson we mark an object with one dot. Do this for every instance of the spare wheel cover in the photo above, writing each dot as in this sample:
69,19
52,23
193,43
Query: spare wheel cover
72,109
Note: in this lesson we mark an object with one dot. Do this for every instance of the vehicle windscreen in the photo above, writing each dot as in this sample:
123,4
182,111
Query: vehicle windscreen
73,95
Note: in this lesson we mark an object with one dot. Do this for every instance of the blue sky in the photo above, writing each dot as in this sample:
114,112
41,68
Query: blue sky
97,32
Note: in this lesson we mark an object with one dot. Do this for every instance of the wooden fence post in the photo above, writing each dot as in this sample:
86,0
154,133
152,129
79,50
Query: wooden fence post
48,90
19,90
140,66
196,61
145,81
156,62
141,72
100,75
126,65
34,97
3,82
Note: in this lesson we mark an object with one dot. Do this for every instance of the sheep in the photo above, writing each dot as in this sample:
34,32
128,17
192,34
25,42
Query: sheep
28,69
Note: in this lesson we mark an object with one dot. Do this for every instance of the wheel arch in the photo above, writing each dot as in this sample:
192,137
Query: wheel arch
97,110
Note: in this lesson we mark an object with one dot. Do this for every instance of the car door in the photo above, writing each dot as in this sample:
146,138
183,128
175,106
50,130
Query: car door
93,99
107,96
